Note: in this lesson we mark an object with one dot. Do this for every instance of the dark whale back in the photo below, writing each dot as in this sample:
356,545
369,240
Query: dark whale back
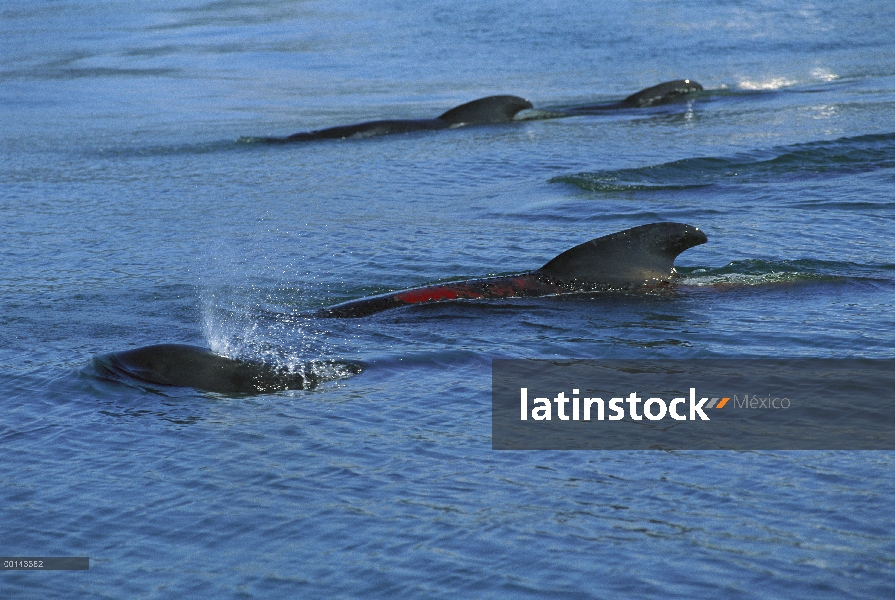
488,110
662,93
493,109
632,257
368,129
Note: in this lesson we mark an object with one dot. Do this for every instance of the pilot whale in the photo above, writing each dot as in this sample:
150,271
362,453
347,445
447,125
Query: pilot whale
493,109
663,93
627,259
192,366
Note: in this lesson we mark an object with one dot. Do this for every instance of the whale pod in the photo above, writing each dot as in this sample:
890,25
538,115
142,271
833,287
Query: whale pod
489,110
627,259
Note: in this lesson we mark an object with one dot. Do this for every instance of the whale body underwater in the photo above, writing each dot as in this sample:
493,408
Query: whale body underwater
491,110
626,260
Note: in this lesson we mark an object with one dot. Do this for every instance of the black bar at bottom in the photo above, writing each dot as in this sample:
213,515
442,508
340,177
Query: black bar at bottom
44,563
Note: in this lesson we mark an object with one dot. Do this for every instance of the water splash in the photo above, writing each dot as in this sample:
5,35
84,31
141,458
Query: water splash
823,74
249,312
764,85
819,74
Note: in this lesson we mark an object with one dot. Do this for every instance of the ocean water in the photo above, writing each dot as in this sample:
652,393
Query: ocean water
135,209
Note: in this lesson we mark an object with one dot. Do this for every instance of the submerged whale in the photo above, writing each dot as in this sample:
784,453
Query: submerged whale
663,93
627,259
493,109
191,366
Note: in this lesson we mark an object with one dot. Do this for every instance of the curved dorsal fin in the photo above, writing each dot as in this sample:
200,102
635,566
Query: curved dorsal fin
631,257
493,109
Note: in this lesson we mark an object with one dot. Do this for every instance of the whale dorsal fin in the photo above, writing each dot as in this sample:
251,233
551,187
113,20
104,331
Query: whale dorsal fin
493,109
632,257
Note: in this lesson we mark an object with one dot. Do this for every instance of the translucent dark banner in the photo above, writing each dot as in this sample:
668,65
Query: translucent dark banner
45,563
711,404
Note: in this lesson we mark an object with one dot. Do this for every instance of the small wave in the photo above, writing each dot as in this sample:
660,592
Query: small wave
168,150
843,156
764,272
596,183
705,280
821,74
52,73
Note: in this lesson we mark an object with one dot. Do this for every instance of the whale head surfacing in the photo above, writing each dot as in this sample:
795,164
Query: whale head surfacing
662,93
191,366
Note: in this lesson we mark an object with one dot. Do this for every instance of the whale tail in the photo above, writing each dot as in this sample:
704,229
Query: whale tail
493,109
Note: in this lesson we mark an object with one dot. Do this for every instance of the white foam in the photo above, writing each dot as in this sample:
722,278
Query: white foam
774,83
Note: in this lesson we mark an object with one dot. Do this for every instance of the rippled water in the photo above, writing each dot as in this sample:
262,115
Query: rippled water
134,211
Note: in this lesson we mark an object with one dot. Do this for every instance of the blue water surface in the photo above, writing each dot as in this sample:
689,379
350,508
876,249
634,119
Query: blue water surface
137,207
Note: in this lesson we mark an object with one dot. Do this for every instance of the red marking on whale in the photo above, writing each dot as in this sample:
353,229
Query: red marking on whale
627,259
